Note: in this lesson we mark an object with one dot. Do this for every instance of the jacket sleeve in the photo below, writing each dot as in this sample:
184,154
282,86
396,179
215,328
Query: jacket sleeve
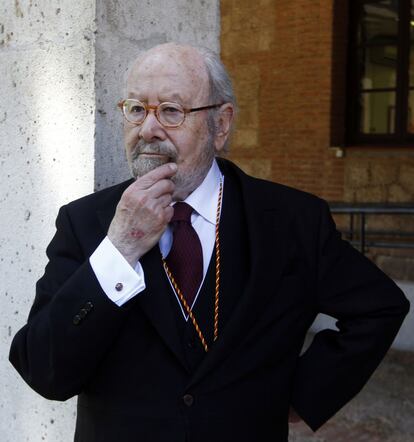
71,325
369,309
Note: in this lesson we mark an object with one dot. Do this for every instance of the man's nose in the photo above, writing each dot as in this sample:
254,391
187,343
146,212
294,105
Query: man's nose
151,128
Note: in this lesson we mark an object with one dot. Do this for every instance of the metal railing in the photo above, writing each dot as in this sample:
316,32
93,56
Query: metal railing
358,234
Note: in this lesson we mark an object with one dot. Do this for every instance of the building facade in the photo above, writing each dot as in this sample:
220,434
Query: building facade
320,86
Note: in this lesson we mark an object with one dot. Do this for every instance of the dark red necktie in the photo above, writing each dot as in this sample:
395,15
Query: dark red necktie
185,259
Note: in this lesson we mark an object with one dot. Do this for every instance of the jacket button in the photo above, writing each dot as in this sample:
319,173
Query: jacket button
83,312
89,306
188,400
76,320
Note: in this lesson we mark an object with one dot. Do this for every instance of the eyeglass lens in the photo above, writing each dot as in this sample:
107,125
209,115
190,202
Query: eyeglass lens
168,114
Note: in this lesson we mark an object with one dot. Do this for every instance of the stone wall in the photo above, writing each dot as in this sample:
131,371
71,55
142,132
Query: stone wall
387,176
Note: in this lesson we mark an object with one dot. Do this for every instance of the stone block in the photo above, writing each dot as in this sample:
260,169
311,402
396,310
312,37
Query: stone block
357,175
398,194
406,176
245,138
243,41
384,173
349,194
266,38
226,24
371,194
261,168
247,84
248,116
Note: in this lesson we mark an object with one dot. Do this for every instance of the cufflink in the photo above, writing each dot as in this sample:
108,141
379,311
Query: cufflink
119,286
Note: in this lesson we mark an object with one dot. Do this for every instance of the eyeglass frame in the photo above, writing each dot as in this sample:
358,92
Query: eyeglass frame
153,107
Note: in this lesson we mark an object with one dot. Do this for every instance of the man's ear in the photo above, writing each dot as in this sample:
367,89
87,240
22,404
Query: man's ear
224,120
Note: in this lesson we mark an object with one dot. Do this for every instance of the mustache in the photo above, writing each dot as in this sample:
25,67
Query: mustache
158,147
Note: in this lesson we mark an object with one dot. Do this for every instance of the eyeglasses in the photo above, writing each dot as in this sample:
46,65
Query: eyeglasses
168,114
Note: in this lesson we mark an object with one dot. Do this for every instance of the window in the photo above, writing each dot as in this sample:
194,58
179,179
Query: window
380,107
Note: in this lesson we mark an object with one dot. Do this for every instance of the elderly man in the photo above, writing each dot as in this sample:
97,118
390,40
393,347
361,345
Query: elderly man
175,305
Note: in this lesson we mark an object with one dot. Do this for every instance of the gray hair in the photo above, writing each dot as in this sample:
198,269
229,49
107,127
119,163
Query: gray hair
221,89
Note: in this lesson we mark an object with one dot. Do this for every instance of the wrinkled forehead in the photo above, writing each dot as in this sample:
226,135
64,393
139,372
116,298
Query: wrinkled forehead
169,71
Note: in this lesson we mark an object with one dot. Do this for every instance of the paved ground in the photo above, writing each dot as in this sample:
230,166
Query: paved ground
382,412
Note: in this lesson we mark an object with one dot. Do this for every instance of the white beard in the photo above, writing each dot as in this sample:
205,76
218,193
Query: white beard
185,182
142,165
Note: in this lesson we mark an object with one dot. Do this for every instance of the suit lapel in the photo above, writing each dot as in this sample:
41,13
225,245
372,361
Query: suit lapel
156,305
267,244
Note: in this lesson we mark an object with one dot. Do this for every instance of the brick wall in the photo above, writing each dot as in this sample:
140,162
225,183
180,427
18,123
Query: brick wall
287,59
279,54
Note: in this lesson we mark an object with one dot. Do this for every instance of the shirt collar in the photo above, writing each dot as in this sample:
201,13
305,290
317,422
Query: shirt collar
204,199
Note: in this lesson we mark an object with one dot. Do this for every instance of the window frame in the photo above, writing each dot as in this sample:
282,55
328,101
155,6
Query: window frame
401,137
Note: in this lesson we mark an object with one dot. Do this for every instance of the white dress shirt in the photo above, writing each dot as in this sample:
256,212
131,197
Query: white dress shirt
121,282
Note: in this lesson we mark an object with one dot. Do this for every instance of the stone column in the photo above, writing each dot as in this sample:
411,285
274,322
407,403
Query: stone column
47,65
62,66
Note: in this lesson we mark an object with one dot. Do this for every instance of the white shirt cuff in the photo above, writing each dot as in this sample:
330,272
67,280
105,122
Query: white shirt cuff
118,279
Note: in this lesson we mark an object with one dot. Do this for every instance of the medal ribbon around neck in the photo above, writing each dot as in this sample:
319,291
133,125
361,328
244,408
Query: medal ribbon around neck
217,288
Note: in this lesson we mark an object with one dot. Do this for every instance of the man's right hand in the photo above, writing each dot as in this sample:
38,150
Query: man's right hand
143,213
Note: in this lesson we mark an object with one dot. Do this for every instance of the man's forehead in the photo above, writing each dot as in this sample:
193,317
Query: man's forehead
169,68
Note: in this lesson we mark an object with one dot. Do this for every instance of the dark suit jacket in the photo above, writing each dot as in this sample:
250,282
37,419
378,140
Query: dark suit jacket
126,364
